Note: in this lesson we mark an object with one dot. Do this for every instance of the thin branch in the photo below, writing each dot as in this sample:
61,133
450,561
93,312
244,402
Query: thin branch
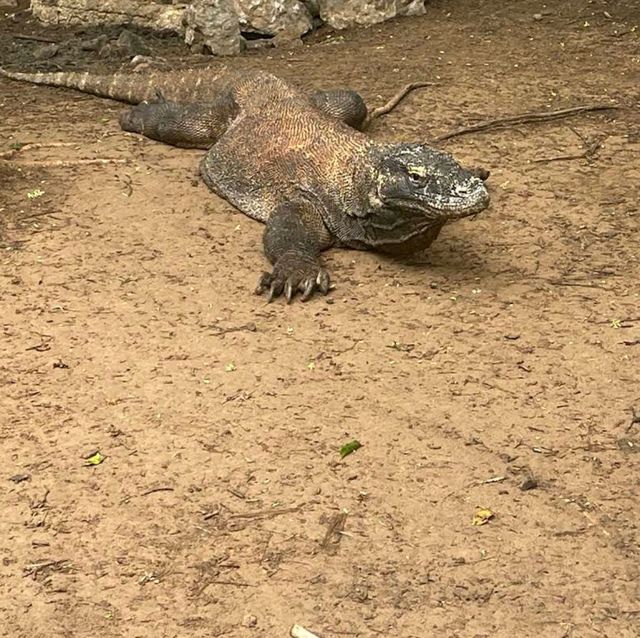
393,102
524,118
33,145
98,161
35,38
587,154
267,513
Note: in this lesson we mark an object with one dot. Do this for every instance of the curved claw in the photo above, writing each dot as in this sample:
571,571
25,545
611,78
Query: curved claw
275,290
293,274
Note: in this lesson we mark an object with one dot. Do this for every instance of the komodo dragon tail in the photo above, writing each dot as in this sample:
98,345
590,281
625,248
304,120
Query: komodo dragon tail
131,88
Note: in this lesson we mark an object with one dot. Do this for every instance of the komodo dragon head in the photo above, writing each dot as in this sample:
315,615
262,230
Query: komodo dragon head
412,191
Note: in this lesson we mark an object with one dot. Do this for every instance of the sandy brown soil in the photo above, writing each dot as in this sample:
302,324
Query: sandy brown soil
509,351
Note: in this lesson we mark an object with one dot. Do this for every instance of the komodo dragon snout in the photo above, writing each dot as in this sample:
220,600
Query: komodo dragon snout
415,190
417,177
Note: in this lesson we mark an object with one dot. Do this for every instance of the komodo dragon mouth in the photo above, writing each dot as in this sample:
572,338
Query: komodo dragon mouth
419,179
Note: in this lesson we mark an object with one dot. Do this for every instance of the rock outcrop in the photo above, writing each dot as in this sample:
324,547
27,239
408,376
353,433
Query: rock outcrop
222,27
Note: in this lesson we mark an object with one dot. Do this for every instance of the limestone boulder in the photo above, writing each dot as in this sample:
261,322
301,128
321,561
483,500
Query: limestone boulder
341,14
212,26
270,17
156,15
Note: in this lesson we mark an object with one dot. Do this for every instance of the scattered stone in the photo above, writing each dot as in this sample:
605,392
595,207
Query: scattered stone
287,40
160,16
530,483
249,621
45,52
95,44
313,7
132,44
109,50
341,14
260,43
537,16
270,18
212,26
628,445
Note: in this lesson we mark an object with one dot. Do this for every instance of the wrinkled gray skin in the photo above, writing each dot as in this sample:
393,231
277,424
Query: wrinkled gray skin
299,164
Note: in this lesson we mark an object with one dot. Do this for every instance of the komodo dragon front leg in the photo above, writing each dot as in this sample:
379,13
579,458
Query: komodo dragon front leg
294,237
295,233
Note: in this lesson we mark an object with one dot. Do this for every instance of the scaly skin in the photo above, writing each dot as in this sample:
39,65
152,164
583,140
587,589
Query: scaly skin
297,163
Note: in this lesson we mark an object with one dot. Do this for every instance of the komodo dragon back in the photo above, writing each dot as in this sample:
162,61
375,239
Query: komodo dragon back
187,85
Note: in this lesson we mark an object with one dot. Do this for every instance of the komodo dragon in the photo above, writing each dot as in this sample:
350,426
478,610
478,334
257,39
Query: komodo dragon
296,162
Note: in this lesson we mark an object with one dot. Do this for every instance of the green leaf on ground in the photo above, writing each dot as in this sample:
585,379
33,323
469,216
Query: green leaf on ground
36,192
95,459
349,448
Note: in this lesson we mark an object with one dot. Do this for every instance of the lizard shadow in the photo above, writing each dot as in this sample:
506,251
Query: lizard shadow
454,257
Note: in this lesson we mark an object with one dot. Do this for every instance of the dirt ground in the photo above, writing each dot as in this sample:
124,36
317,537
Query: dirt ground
498,371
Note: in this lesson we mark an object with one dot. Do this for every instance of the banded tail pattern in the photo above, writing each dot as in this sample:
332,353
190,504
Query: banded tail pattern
188,85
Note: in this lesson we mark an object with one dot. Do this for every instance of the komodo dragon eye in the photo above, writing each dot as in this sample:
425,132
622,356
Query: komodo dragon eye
417,175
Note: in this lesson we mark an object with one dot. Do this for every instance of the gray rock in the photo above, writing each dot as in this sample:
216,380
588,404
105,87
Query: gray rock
212,25
132,44
287,40
312,7
46,51
156,15
341,14
95,44
269,17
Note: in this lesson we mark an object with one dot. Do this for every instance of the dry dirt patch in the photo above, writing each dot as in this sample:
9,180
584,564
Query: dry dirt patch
497,371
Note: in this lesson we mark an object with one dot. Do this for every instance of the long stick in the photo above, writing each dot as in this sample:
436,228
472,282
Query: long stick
394,101
524,118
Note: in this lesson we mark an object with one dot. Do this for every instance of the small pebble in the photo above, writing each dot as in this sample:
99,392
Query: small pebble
249,621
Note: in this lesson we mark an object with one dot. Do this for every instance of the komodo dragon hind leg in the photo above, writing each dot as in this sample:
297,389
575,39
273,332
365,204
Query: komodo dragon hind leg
293,239
342,104
196,125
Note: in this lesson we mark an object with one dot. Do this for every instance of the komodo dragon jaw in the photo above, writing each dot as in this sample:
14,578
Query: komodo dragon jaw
420,178
414,191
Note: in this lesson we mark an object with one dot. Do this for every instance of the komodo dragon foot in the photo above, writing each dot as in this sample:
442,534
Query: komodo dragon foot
294,272
293,239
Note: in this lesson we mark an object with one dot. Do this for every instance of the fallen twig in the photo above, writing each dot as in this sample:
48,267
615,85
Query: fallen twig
335,527
300,632
157,489
126,499
588,153
393,102
495,479
80,162
33,145
51,565
524,118
35,38
635,419
218,330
